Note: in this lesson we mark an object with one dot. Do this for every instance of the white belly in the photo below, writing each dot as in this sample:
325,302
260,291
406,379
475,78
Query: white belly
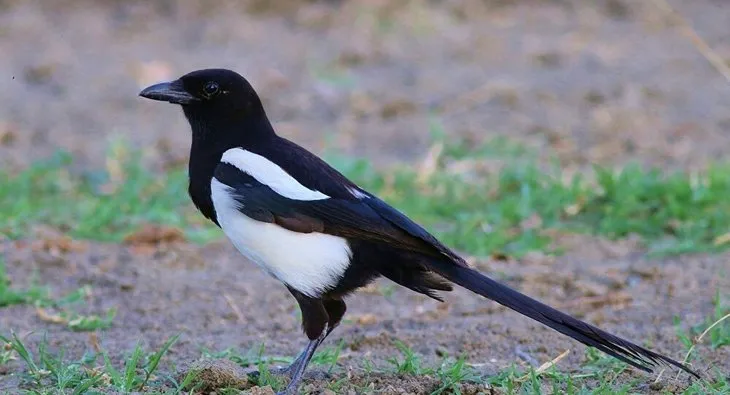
308,262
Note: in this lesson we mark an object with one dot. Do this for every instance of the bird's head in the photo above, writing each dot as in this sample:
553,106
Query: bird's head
212,99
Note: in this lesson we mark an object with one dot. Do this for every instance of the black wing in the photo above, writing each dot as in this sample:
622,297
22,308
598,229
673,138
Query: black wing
401,221
367,218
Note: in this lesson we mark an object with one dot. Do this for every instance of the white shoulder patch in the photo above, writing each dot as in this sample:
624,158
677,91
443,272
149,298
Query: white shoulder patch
270,174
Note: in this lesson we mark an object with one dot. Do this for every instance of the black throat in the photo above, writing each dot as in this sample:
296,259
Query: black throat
214,134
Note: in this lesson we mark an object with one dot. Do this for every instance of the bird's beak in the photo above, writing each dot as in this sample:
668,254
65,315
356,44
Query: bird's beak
172,92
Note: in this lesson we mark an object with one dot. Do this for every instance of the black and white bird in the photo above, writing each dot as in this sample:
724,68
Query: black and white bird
317,232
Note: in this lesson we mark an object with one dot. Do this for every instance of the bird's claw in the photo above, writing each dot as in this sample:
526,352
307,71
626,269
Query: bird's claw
278,371
317,375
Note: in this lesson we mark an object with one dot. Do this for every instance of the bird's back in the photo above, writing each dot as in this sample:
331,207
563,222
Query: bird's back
307,168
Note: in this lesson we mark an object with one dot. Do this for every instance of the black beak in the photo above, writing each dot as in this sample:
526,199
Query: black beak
172,92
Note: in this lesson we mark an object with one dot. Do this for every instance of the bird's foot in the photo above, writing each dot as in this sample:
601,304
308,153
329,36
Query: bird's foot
295,380
318,375
288,371
285,373
277,371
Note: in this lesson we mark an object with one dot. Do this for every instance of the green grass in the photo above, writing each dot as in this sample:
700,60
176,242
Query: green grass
11,296
253,357
50,372
411,362
719,335
452,374
67,314
598,374
328,356
715,328
62,310
673,213
477,211
99,205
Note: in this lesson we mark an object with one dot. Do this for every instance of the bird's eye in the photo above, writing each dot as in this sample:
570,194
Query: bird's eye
210,88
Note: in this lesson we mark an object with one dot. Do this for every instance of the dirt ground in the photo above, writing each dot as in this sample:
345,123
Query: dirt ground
611,82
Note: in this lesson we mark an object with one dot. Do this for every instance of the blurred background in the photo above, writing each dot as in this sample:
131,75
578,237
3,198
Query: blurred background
603,81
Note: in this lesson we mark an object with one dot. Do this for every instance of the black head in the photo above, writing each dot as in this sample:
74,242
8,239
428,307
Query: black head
208,87
216,100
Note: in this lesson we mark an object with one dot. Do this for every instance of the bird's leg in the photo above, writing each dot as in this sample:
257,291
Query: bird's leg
314,323
292,366
276,371
296,369
289,370
335,310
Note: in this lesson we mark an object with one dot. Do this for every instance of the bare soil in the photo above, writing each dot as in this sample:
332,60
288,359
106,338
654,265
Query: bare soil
610,82
217,300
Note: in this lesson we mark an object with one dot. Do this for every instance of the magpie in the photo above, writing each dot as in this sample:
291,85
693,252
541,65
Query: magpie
320,234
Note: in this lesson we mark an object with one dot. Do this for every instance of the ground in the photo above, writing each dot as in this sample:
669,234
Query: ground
444,100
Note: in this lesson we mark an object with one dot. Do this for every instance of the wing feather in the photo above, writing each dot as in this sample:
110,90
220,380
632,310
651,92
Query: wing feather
368,219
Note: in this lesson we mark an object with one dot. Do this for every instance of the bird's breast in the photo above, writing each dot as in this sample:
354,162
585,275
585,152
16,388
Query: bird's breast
309,262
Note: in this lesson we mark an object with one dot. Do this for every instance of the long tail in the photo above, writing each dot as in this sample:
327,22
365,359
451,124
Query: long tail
587,334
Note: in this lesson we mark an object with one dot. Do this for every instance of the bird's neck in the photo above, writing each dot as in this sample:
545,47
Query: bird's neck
210,141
